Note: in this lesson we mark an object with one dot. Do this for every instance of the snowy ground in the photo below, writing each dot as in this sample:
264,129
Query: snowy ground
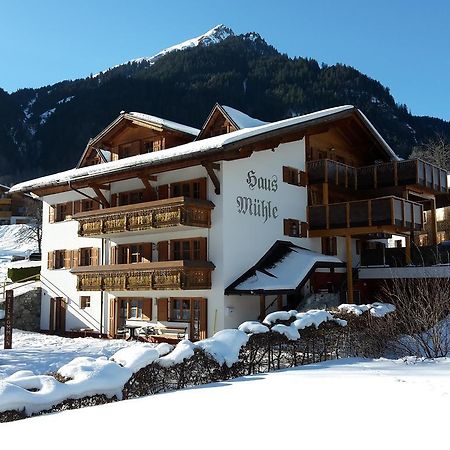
351,404
43,354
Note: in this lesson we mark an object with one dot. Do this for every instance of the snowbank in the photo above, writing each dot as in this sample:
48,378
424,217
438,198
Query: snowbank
253,327
376,309
136,357
291,331
183,350
224,346
88,376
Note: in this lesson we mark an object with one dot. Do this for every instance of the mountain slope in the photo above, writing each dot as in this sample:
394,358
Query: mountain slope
45,130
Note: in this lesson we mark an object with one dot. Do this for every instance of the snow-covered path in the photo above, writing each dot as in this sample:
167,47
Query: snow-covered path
344,404
43,354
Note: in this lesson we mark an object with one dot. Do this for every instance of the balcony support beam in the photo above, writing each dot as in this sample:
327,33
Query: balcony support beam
100,195
148,187
210,167
348,255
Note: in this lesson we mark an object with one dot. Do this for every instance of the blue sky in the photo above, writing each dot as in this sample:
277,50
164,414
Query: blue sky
405,44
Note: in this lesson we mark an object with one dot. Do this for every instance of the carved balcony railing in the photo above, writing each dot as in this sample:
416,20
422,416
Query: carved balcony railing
167,275
390,174
149,216
387,214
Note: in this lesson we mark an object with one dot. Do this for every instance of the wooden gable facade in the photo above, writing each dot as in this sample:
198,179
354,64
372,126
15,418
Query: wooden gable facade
217,123
131,135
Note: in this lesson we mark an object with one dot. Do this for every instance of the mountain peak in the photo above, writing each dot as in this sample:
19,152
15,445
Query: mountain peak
213,36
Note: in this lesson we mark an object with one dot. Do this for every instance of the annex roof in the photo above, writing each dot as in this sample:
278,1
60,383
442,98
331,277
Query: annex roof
214,147
284,268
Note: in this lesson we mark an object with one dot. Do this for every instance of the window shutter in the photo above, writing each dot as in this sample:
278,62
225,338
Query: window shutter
163,251
96,204
163,191
112,316
51,260
303,229
94,256
77,206
286,173
113,255
67,259
146,255
302,178
202,182
203,319
51,214
75,258
203,249
113,201
163,313
287,227
147,308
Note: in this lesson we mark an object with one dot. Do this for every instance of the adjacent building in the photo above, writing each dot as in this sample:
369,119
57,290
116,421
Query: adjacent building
199,230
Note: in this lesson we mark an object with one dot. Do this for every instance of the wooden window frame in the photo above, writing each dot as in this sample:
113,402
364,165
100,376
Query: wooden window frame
202,249
329,245
85,301
171,316
144,305
127,249
295,228
61,215
202,186
59,259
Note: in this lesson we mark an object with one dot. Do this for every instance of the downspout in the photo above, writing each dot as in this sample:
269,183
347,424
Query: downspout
103,250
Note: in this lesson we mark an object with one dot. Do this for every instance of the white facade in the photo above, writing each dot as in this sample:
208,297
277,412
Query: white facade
246,220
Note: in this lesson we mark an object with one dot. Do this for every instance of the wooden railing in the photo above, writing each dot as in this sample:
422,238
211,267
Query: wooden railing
168,275
389,174
394,211
158,214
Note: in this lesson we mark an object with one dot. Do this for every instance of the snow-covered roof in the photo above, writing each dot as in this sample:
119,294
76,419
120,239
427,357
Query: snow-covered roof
164,123
241,119
284,268
196,149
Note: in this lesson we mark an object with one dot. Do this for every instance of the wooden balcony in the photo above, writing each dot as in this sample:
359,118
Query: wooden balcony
145,217
163,275
166,275
414,172
379,215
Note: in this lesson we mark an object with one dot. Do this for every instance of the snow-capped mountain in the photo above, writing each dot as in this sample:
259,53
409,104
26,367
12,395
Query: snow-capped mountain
213,36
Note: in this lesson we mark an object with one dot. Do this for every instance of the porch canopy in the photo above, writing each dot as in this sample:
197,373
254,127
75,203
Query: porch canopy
284,269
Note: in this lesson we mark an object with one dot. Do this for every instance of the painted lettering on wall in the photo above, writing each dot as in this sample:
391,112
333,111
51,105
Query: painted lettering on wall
265,209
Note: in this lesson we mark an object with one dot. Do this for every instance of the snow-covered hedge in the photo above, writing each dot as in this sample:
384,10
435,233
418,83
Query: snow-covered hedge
284,339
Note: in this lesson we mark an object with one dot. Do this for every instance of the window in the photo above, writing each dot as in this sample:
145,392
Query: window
88,205
294,176
85,257
138,308
85,301
423,240
180,310
440,236
132,197
358,246
63,211
133,253
135,311
295,228
59,259
189,249
191,188
329,246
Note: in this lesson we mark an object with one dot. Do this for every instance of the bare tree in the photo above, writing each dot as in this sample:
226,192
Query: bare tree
33,231
435,150
422,314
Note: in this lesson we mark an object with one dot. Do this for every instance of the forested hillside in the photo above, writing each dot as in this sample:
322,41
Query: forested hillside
45,130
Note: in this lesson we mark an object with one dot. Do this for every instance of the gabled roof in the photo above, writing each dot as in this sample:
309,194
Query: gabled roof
237,118
215,148
284,268
138,119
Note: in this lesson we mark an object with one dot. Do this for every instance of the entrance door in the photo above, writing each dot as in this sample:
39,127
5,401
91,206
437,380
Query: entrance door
58,309
198,325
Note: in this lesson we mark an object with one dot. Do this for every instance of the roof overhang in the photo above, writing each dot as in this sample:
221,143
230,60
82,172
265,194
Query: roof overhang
234,145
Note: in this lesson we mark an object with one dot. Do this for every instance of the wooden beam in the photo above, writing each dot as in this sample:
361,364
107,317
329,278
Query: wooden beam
408,250
210,169
434,230
348,255
279,302
148,187
262,306
100,195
